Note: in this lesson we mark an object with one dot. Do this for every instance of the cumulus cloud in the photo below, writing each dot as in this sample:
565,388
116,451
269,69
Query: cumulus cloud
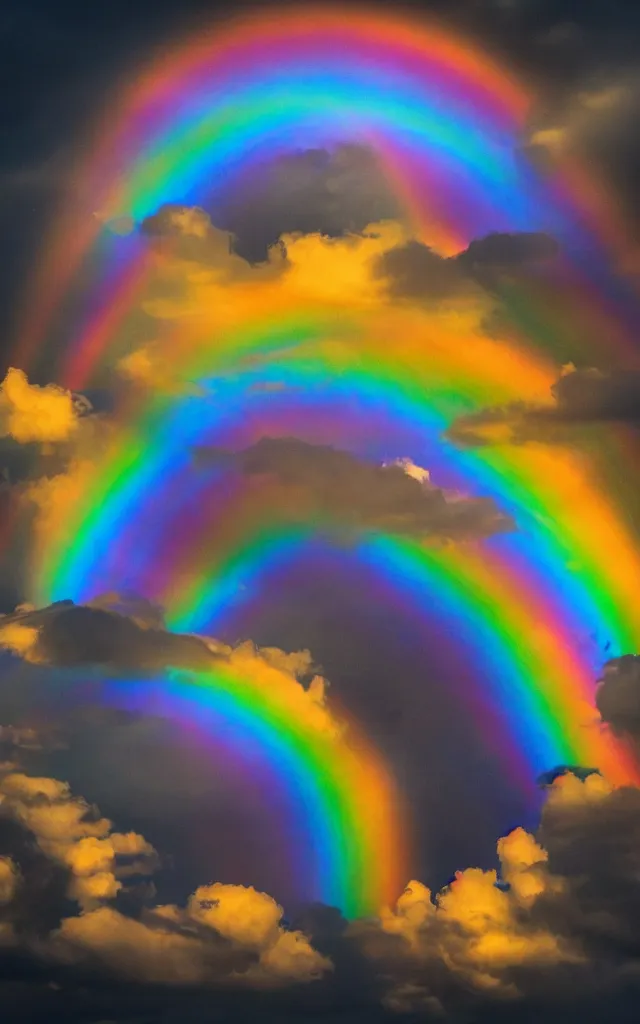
69,831
558,916
579,397
559,913
29,413
474,932
228,934
201,285
225,933
367,285
184,237
312,482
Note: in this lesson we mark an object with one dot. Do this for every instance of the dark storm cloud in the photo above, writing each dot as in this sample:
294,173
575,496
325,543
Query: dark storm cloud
592,396
316,481
414,271
592,838
509,250
69,635
581,397
503,257
618,696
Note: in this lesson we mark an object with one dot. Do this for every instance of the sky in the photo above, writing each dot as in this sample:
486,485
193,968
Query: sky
319,533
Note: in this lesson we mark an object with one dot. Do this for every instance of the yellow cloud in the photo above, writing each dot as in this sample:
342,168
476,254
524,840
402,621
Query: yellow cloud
32,413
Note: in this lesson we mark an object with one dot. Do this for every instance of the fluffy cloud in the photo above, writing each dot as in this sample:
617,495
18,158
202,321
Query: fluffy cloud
312,482
560,912
367,286
131,948
30,413
225,933
475,933
69,831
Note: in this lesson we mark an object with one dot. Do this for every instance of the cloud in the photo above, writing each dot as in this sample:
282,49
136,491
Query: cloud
478,931
560,913
69,831
29,413
415,271
132,948
557,918
364,285
184,239
330,191
65,635
226,933
314,482
508,251
591,395
68,635
618,696
578,398
9,879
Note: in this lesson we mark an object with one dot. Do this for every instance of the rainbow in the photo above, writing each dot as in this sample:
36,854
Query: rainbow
146,521
538,708
441,117
340,803
539,609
